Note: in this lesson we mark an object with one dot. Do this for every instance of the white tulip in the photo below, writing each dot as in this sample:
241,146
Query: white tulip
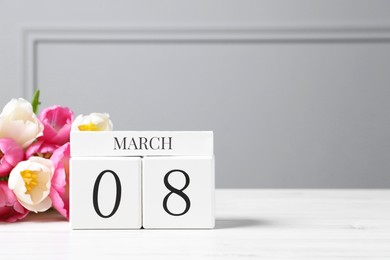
18,121
31,182
92,122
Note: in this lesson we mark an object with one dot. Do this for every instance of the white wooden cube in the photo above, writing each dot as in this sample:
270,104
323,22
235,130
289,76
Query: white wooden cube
178,192
105,193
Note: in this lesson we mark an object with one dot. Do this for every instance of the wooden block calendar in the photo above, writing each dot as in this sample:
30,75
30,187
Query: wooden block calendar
135,179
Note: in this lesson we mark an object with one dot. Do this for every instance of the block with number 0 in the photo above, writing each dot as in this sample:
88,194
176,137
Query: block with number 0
105,193
178,192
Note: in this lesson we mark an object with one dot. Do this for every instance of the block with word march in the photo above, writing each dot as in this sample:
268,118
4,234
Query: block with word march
134,179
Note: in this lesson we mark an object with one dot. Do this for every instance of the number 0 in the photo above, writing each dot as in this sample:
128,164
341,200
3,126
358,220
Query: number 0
96,190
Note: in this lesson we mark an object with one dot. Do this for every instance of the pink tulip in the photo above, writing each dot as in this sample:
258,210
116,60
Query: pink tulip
10,208
41,149
57,123
59,192
11,154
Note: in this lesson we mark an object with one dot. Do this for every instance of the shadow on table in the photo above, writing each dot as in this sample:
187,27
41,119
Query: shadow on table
238,223
43,217
49,216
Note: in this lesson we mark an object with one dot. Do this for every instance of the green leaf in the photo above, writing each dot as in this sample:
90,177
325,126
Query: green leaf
35,101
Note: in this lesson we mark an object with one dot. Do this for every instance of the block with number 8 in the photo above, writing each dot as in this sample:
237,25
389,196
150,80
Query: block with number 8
178,192
105,193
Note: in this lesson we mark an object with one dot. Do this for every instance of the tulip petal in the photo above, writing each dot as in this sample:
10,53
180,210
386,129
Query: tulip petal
10,209
34,174
18,121
59,204
41,207
57,122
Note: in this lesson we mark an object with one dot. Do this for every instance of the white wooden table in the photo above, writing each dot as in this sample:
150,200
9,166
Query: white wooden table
250,224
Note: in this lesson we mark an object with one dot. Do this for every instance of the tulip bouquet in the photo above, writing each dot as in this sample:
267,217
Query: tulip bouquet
34,156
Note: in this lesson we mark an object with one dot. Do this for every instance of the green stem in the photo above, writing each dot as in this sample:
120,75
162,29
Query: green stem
35,101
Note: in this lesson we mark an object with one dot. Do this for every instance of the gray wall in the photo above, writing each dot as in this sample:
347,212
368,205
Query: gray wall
297,92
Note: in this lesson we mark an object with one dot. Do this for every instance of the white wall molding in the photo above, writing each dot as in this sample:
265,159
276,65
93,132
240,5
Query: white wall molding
33,35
